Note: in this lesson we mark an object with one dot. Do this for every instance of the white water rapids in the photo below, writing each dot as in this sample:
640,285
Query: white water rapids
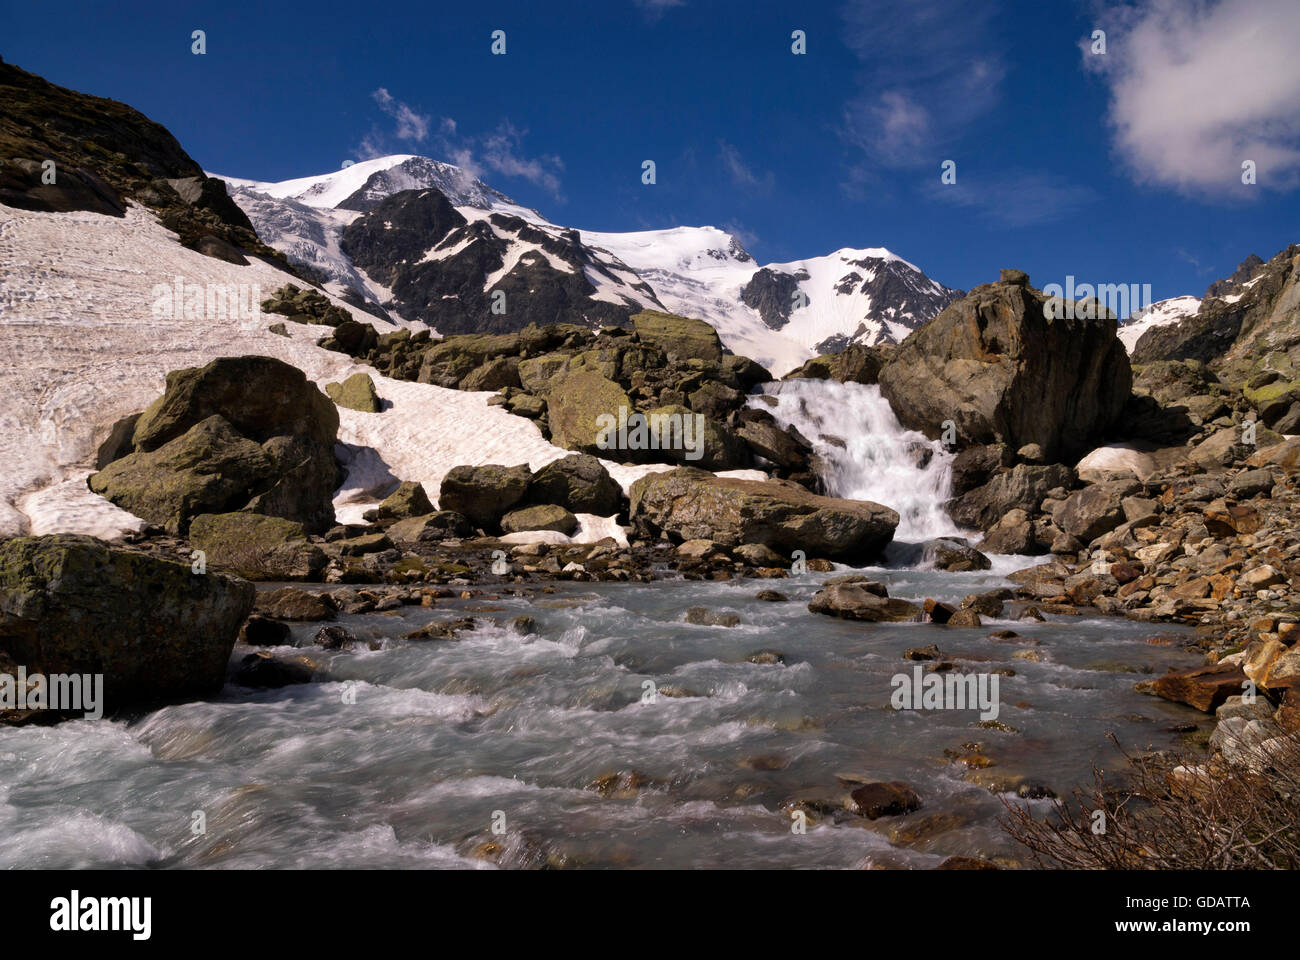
867,453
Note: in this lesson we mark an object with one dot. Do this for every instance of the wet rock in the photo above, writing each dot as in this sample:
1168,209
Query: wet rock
889,799
965,618
967,863
928,652
854,601
259,631
334,638
955,556
707,618
290,603
263,671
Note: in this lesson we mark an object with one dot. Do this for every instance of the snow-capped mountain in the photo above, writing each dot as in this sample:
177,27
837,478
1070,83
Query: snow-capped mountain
1162,313
780,314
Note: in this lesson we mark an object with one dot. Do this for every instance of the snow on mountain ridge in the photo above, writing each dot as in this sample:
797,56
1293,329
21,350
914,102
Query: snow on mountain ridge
864,295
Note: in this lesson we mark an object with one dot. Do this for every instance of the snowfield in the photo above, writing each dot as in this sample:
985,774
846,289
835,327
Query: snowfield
83,349
1162,313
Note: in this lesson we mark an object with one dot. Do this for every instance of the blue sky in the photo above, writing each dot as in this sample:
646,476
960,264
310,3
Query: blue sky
1120,167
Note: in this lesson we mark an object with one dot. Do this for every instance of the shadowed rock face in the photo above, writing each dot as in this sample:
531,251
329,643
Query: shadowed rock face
449,288
154,629
1002,371
105,153
691,504
246,433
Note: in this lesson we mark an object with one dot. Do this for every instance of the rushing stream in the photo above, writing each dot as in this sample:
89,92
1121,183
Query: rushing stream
545,735
443,734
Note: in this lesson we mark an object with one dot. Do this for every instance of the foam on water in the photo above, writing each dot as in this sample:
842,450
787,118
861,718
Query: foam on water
867,452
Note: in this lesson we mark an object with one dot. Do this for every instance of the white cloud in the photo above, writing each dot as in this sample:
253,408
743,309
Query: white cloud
501,152
741,174
1197,88
654,9
930,68
1017,198
410,125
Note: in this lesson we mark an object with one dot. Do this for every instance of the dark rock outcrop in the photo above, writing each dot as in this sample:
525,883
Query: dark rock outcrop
1001,370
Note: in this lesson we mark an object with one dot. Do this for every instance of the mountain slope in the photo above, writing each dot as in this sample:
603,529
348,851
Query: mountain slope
779,314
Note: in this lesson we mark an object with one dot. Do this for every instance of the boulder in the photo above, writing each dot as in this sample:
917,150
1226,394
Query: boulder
1204,688
954,556
680,338
1095,510
540,517
408,500
484,494
975,466
290,603
1003,370
357,392
1023,487
579,483
235,404
430,528
1014,533
256,547
575,406
208,469
689,504
858,601
891,799
156,630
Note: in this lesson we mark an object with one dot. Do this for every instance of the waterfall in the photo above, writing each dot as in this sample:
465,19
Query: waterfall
866,453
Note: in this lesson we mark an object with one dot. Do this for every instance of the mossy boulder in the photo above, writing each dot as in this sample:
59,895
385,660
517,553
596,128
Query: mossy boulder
536,374
208,469
156,630
484,494
256,547
448,361
575,406
493,375
579,483
546,516
680,338
408,500
357,392
247,433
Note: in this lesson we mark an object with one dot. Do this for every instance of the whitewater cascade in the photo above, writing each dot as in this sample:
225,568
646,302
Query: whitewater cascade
866,452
